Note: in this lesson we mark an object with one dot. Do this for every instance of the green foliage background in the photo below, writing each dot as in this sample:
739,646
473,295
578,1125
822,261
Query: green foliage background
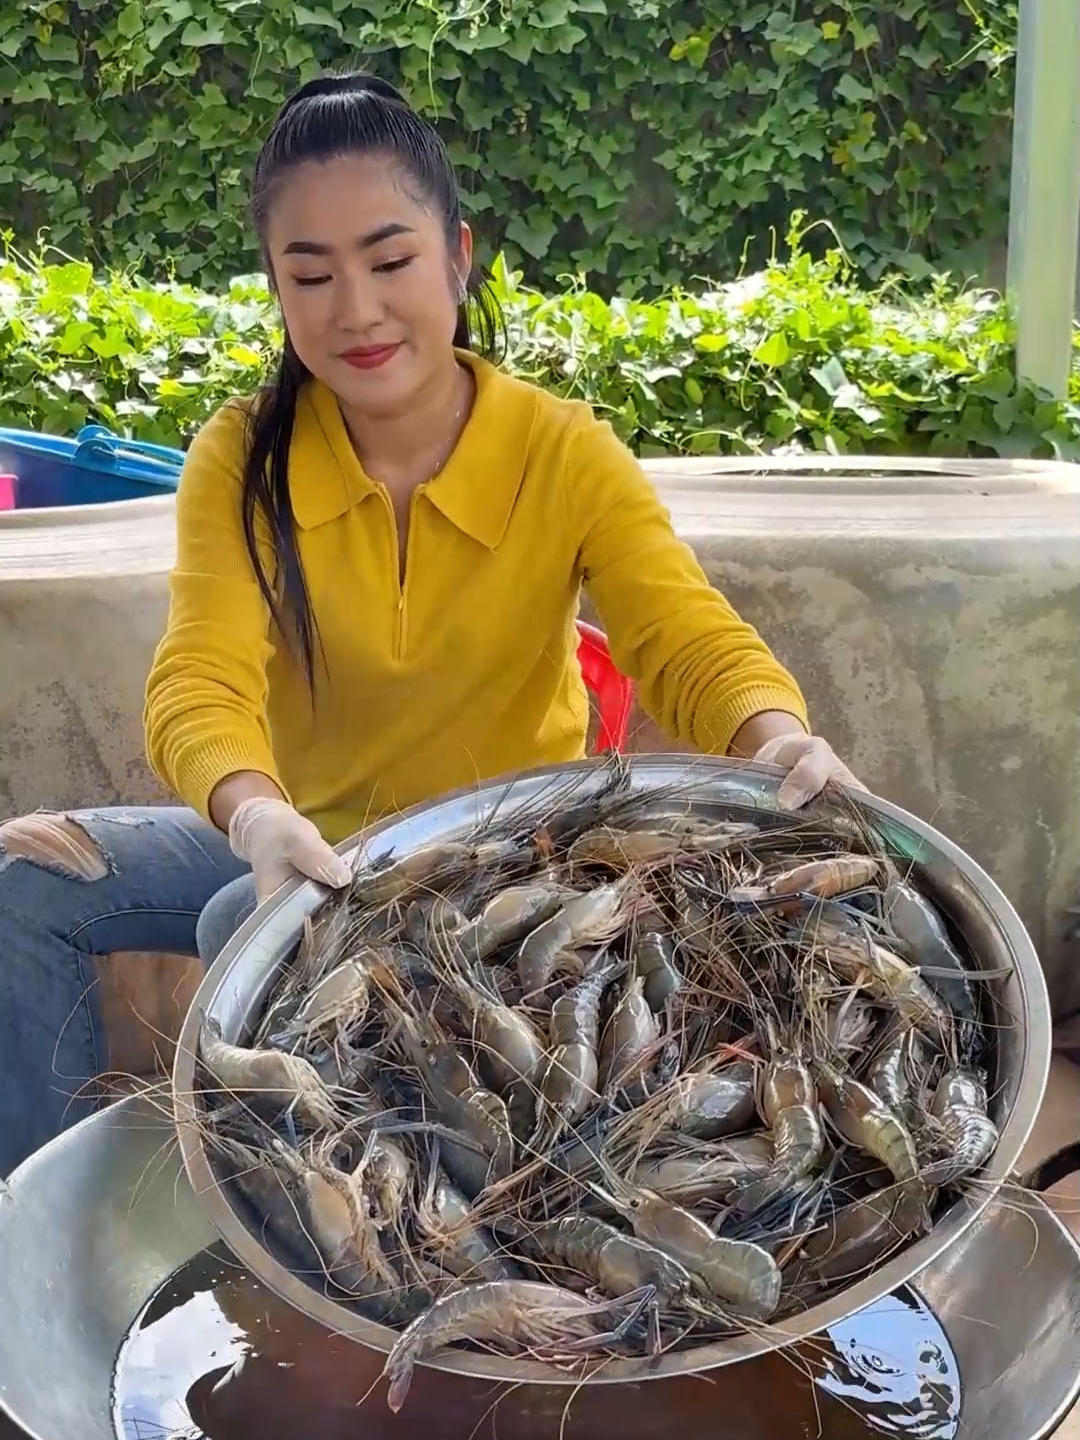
637,142
797,357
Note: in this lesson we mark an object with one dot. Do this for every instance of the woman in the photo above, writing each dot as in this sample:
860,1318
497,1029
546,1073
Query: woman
378,569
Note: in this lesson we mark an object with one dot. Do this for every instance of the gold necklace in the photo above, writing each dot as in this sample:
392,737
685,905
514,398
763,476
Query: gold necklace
454,435
451,444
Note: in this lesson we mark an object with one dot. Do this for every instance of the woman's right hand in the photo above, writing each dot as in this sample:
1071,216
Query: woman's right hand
279,844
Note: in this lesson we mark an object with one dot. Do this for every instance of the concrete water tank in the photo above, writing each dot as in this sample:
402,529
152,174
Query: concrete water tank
931,610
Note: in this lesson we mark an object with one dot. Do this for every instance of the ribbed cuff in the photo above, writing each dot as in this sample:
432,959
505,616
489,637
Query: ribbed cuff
731,715
204,767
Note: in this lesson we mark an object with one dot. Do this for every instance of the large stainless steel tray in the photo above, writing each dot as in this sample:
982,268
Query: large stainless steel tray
234,992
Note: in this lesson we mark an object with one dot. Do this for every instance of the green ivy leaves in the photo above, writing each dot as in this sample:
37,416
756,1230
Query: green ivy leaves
796,357
635,142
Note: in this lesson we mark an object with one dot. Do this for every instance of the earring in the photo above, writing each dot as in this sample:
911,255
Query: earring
462,291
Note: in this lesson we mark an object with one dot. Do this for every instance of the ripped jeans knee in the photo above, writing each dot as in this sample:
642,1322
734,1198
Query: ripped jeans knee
75,886
114,878
56,843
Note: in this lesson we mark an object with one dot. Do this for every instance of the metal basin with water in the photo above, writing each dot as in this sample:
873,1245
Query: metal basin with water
235,989
93,1224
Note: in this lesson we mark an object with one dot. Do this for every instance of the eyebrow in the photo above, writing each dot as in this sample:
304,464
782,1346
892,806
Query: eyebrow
376,237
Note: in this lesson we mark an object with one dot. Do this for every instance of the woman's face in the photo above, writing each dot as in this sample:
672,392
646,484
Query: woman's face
367,286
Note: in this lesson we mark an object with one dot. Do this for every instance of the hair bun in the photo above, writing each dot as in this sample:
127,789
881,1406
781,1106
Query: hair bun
356,83
375,85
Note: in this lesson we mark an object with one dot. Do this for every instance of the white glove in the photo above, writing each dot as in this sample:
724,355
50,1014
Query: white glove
811,765
278,843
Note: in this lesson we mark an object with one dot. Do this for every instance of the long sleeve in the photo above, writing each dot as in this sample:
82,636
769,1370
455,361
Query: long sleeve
205,711
701,671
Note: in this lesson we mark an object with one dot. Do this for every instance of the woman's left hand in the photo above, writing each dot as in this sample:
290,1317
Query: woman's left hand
811,764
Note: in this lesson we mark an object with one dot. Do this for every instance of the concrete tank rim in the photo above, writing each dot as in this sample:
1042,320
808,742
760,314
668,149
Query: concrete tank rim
61,516
109,542
887,468
770,499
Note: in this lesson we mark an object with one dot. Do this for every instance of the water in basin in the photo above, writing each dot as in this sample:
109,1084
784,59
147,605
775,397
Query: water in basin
215,1356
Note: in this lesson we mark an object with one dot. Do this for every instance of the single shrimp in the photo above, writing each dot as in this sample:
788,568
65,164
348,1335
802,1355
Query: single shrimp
283,1081
921,932
381,1180
736,1271
510,916
431,865
648,842
510,1051
619,1264
826,878
702,832
266,1187
568,1083
865,1121
652,955
821,879
629,1039
890,980
320,939
483,1117
548,1322
708,1175
334,1005
892,1069
444,1218
338,1214
710,1104
789,1105
564,817
620,849
857,1237
597,916
962,1128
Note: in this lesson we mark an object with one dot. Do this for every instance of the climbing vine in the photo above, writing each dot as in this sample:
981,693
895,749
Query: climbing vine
635,142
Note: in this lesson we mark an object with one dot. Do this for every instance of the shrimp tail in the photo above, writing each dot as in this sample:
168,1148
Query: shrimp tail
400,1365
756,1194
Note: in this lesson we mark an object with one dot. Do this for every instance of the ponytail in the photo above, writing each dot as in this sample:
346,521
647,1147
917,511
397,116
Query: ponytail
266,489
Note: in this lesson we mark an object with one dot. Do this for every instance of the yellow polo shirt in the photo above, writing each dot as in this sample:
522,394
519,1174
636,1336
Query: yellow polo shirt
469,670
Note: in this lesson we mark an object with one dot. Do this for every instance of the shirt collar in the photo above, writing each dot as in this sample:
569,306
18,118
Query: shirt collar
477,486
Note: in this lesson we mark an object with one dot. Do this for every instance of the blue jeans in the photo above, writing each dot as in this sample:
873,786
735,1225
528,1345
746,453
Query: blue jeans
79,885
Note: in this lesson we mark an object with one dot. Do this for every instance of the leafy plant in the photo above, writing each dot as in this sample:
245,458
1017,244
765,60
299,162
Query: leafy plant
150,361
798,356
635,141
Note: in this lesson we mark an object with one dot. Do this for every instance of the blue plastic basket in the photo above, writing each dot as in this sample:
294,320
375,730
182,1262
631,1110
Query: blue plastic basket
94,468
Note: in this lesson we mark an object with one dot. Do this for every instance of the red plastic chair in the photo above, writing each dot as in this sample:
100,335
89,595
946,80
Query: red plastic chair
612,691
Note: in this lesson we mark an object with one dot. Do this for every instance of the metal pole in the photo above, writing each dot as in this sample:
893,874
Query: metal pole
1044,210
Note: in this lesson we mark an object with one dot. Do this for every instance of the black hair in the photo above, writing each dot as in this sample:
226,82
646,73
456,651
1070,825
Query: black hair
326,118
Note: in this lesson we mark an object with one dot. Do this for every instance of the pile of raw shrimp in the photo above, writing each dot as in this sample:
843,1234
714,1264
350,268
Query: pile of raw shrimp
608,1076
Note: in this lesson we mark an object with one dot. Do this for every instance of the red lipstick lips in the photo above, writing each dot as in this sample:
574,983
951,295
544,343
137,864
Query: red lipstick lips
370,357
